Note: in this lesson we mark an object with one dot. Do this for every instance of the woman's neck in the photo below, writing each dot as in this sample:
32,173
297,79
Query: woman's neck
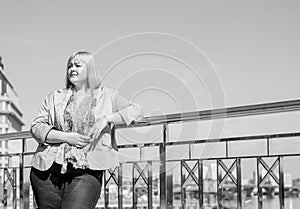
80,89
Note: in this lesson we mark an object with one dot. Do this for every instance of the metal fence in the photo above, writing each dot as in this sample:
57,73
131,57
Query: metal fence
228,166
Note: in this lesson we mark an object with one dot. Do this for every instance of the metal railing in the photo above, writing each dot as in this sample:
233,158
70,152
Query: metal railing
143,169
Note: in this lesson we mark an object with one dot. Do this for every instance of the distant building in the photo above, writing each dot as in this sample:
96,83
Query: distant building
288,180
213,170
10,112
296,182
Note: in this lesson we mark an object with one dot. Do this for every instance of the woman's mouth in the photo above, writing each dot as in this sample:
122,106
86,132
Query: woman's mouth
73,74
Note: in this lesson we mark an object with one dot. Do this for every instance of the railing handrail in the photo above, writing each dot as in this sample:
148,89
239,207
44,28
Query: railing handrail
27,134
214,140
15,135
220,113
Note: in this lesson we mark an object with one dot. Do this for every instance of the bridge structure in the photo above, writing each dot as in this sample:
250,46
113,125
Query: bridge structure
228,167
250,190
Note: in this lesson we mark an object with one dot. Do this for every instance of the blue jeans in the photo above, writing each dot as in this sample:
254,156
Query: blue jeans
76,189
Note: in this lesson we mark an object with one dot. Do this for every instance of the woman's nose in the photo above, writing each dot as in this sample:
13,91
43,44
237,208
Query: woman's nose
72,68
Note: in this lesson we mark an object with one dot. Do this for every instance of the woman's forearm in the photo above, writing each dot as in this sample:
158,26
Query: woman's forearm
72,138
114,118
55,136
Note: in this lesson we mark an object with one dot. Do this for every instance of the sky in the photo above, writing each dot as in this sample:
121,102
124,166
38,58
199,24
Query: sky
168,56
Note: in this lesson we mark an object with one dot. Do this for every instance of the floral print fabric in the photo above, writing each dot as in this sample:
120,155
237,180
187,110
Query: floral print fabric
76,117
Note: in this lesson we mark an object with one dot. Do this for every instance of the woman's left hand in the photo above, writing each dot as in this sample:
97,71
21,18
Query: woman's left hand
95,131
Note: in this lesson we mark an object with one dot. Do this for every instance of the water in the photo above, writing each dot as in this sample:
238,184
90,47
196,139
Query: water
273,203
248,203
268,203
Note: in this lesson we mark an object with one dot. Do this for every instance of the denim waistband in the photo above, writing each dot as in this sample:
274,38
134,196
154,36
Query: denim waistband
72,172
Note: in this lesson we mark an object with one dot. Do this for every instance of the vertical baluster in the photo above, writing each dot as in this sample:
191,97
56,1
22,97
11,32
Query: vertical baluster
239,183
150,201
162,168
219,188
21,176
106,191
200,183
120,187
170,190
227,149
182,186
134,194
169,174
4,188
190,151
259,189
14,184
268,146
281,183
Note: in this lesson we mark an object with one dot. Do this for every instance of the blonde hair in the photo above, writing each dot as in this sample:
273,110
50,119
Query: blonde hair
93,74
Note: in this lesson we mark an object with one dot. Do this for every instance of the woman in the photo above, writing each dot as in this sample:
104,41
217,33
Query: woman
73,131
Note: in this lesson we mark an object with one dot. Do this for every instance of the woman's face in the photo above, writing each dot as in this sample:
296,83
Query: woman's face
77,72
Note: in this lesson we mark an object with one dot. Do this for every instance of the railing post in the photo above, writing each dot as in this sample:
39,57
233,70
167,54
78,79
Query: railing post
169,190
200,183
106,192
4,191
169,187
120,187
268,146
162,168
150,199
219,189
182,186
134,194
281,183
14,188
21,176
239,183
227,149
259,189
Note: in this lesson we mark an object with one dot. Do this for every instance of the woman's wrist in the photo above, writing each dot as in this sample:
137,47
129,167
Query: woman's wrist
114,118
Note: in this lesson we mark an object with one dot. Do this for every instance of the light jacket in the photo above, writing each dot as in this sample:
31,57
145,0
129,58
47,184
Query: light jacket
108,101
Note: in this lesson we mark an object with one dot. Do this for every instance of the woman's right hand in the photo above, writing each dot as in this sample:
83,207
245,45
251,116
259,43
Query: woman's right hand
77,140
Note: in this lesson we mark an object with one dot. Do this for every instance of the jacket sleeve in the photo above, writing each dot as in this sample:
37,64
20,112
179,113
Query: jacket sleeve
42,124
128,110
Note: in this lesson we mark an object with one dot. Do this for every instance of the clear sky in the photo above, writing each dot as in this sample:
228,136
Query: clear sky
169,56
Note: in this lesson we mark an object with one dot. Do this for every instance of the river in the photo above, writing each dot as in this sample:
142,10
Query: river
249,203
268,203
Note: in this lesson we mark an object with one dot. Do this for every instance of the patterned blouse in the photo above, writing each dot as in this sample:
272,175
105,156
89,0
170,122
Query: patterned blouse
73,117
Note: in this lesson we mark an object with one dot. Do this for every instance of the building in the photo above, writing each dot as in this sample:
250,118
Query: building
10,112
